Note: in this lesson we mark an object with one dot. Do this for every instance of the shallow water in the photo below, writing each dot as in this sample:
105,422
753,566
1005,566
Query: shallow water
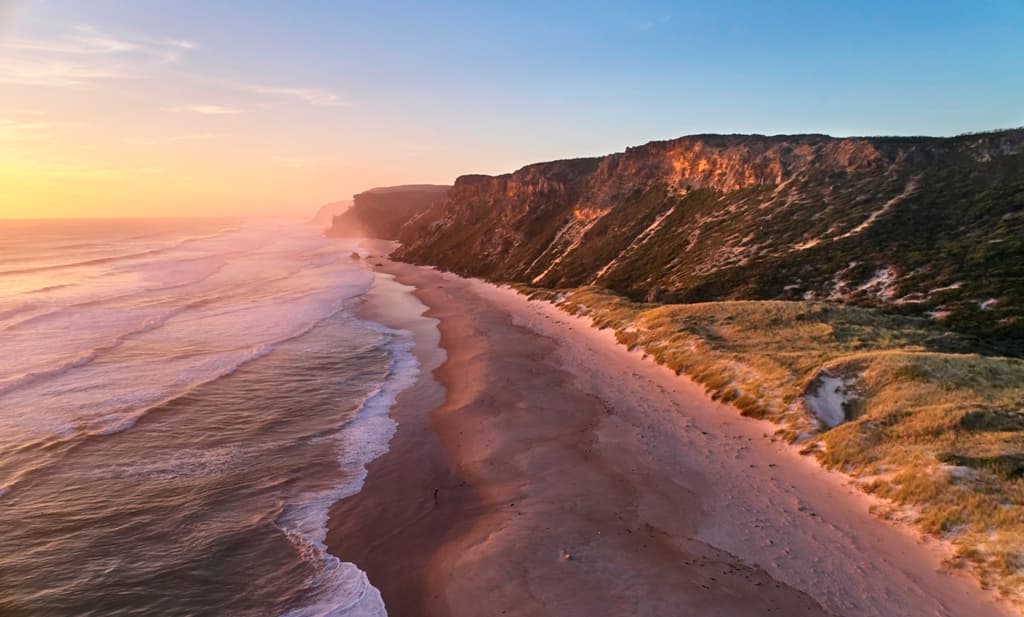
180,403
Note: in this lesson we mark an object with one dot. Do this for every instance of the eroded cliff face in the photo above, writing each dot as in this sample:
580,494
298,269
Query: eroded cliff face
922,225
731,163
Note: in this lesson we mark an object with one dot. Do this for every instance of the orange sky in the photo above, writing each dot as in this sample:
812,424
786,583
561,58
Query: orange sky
111,115
75,161
115,121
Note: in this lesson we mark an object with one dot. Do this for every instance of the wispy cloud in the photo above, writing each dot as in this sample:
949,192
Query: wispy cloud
82,41
20,166
90,40
313,96
23,131
299,162
306,94
192,137
182,44
85,56
55,73
206,110
14,125
136,141
647,26
82,56
140,141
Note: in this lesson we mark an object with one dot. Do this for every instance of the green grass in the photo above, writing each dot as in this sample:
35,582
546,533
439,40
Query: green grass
936,430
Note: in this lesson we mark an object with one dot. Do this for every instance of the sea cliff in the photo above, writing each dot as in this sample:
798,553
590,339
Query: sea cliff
915,225
381,212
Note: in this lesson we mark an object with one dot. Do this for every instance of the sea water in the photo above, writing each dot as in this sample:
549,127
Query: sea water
181,401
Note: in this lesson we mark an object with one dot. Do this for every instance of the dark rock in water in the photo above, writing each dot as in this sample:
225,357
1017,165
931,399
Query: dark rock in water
355,256
656,295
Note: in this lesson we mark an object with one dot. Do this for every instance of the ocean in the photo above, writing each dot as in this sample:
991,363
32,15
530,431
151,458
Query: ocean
181,402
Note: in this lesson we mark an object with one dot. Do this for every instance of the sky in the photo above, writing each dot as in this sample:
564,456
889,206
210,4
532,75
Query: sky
111,108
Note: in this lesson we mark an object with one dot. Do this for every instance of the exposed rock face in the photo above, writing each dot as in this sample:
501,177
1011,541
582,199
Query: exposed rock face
381,212
919,225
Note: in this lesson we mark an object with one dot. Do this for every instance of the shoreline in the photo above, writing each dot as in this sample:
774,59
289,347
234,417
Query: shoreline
392,526
575,477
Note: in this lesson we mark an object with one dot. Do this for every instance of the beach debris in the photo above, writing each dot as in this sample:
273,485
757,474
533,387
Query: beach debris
566,555
355,256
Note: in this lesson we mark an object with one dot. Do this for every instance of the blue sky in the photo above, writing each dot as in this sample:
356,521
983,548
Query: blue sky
442,88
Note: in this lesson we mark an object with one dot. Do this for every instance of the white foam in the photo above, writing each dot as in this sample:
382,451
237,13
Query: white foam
138,406
135,331
110,352
147,325
340,589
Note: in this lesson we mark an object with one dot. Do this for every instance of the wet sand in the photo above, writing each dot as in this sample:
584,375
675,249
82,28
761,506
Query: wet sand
542,469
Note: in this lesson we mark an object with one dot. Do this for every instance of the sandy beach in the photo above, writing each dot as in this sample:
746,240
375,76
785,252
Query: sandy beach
539,468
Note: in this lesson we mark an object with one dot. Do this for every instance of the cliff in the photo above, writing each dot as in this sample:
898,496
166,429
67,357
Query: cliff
325,215
381,212
915,225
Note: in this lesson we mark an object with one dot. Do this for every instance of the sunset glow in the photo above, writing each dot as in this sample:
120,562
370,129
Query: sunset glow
184,108
385,308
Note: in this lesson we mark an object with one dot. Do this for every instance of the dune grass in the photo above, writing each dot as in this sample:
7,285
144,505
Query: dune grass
933,429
